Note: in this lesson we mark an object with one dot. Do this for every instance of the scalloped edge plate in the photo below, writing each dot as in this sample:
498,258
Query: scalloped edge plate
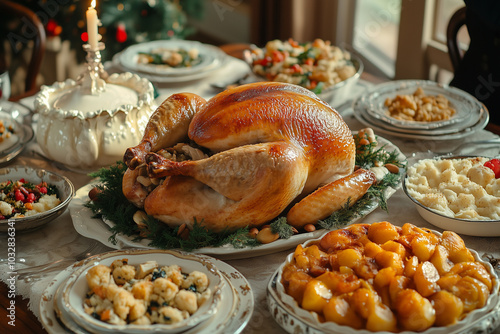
284,308
465,105
232,317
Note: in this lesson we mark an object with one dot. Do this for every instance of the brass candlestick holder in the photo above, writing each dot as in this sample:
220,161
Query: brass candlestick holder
93,80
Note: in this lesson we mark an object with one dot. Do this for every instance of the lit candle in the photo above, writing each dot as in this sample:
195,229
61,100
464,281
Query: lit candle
92,23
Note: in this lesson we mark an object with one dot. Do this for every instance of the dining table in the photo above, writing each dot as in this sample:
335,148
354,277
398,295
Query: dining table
59,239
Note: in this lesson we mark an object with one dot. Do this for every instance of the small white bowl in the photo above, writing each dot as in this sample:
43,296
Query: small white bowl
35,175
290,315
76,288
477,228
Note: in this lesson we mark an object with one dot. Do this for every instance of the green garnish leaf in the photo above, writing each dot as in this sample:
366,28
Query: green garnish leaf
240,239
319,88
281,227
309,53
369,155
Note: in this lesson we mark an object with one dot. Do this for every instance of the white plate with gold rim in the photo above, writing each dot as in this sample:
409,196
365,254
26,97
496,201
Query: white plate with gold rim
232,316
76,288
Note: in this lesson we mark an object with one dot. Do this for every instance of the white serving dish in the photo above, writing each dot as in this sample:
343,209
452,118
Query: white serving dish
454,131
90,135
75,289
334,95
342,91
209,57
23,133
35,175
465,105
233,315
213,59
295,319
478,228
87,225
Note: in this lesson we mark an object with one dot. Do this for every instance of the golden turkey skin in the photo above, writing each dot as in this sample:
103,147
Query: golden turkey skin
270,144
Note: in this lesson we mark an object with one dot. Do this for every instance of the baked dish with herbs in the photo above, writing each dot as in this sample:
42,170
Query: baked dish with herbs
315,65
383,277
144,294
176,58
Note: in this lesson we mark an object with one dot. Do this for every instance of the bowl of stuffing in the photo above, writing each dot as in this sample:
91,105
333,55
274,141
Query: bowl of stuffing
381,277
31,197
139,291
457,193
327,70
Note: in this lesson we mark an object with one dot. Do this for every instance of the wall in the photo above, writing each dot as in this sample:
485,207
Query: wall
225,21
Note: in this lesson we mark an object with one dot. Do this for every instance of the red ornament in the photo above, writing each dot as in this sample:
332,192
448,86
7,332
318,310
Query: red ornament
84,36
52,28
121,34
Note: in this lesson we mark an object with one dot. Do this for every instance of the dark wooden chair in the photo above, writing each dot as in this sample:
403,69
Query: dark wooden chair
36,34
456,22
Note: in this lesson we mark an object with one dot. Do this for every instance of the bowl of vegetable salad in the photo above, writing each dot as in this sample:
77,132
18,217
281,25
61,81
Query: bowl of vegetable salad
319,66
31,197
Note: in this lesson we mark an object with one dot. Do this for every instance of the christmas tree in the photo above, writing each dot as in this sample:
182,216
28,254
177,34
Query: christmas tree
123,22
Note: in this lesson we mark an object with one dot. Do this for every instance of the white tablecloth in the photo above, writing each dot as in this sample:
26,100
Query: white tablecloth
58,238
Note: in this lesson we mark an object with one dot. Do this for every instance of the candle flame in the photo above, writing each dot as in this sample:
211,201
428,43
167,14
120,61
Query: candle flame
93,3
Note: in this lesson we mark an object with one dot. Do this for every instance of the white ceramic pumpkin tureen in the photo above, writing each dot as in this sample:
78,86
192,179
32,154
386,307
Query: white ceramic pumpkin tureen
90,130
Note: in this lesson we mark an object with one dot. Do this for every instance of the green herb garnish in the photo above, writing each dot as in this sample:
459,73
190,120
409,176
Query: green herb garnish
368,155
281,227
319,88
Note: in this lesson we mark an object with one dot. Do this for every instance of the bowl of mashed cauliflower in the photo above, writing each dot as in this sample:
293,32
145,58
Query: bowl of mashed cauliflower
461,194
31,197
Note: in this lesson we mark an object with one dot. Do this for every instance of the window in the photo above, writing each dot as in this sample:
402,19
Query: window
444,11
398,39
375,33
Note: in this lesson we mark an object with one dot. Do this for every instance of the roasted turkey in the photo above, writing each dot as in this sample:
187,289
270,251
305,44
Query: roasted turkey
263,149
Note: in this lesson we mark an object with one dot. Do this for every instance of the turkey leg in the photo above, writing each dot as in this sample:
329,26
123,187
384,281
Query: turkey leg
166,127
240,171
